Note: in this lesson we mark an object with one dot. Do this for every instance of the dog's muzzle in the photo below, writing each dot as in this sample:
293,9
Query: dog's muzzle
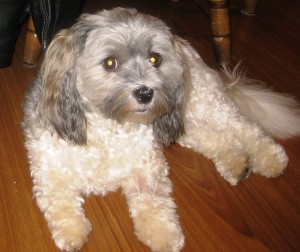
143,94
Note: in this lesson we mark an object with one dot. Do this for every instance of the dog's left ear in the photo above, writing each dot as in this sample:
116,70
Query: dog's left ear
170,126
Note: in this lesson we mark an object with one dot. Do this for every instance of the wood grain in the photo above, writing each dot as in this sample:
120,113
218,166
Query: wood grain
259,214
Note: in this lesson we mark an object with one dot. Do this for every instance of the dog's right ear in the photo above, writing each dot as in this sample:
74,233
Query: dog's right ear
60,105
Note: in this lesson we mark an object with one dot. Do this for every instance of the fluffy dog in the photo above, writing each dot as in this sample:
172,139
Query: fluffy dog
115,88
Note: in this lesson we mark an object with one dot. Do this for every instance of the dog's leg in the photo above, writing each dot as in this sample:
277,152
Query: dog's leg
237,147
222,147
153,211
266,156
62,208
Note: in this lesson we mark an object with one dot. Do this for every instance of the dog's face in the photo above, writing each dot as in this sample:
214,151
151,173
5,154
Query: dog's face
129,69
120,63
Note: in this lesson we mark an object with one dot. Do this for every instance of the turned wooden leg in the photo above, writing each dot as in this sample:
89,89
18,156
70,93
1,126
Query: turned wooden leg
220,25
32,48
249,7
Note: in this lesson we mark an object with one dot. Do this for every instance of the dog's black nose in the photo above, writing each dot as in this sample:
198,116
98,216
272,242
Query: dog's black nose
143,94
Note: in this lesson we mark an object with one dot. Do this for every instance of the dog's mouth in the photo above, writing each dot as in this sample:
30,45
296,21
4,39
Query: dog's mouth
140,115
143,110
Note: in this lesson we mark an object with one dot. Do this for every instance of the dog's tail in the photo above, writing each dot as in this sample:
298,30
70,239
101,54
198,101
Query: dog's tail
278,114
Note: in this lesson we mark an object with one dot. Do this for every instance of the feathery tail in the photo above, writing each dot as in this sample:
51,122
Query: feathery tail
278,114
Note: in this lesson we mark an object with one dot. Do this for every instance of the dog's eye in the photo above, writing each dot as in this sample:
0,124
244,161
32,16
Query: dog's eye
155,59
110,63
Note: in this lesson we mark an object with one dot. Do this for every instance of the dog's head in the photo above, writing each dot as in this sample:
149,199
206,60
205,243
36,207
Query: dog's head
120,63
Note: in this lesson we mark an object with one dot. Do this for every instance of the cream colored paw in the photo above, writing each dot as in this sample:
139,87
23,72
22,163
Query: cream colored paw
161,236
71,234
158,227
233,168
270,161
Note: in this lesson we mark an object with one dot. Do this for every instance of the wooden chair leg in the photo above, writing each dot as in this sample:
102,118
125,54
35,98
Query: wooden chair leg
32,48
220,26
249,7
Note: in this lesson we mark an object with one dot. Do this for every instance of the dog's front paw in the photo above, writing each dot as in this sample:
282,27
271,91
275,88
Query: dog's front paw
270,160
156,224
71,234
161,236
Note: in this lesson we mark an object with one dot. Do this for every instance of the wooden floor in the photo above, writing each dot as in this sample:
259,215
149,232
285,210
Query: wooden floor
259,214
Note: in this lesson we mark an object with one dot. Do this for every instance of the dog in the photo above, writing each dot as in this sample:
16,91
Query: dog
111,92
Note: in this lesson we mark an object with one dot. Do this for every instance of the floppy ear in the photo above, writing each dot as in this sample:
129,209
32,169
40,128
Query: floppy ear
170,126
59,105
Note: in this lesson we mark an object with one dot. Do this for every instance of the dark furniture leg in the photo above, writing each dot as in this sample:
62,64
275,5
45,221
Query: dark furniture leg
249,7
32,48
220,26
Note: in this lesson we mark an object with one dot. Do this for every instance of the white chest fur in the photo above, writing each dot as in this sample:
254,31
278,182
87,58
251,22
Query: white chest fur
112,152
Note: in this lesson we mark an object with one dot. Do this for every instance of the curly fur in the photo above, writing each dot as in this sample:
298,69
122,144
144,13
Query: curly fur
88,132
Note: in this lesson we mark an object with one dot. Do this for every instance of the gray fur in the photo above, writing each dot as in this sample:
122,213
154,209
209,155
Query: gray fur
170,126
70,123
